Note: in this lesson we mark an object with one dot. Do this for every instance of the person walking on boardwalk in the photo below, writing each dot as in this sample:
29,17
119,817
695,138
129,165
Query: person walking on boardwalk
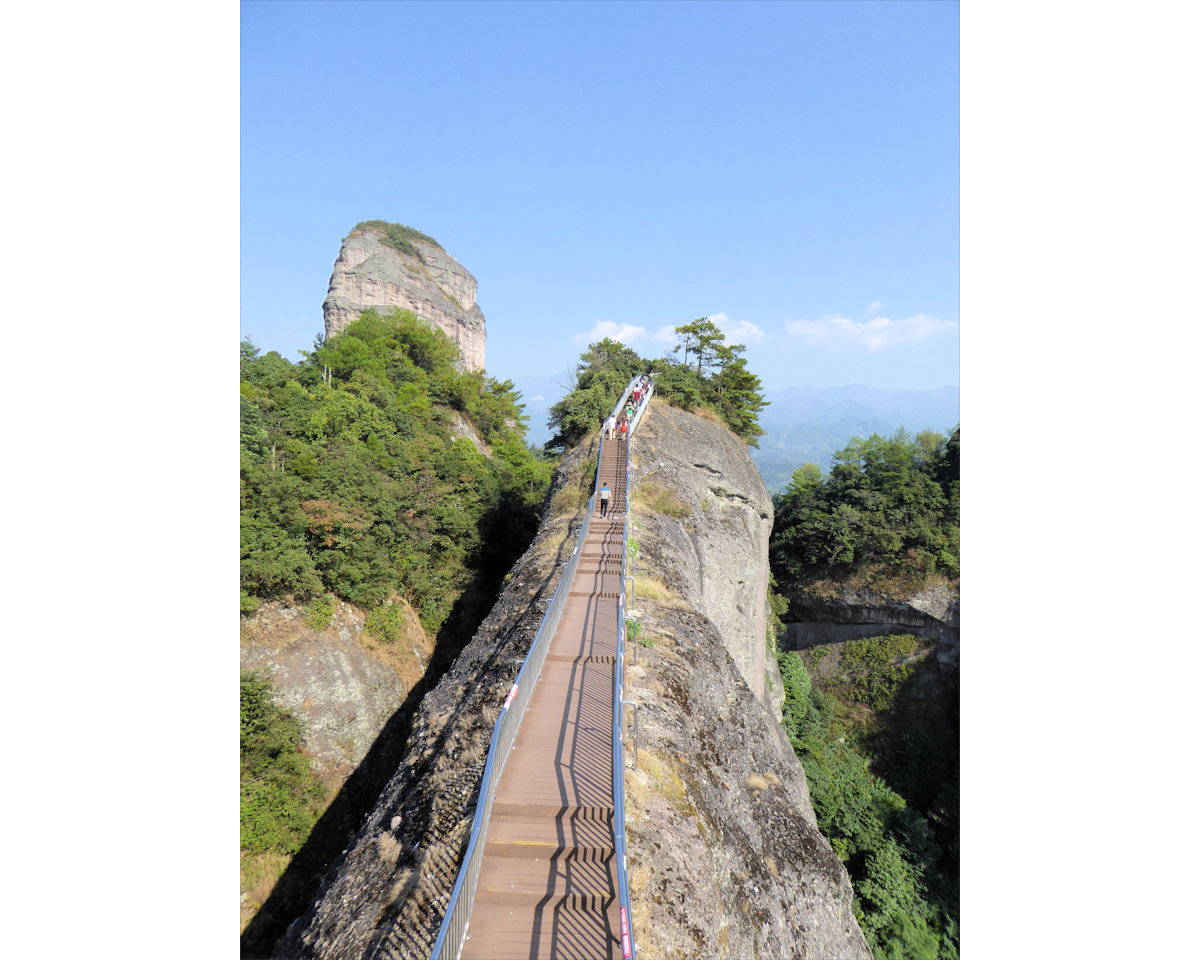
605,494
624,435
609,426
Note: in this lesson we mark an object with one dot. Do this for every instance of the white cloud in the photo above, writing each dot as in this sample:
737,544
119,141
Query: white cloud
665,334
626,333
875,307
537,399
875,334
740,331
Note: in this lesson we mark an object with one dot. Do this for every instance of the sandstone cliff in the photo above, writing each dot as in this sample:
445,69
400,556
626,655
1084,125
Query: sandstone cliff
849,613
715,552
415,274
725,858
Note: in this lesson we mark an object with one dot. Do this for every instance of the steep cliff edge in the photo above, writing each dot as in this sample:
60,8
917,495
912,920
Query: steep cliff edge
711,539
383,265
725,858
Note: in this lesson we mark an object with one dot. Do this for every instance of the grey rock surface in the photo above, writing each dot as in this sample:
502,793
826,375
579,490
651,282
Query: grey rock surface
440,291
932,613
341,692
715,556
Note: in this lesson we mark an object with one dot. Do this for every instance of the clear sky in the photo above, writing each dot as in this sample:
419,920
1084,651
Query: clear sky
791,169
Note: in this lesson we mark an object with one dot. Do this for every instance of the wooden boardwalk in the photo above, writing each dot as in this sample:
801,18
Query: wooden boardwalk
548,883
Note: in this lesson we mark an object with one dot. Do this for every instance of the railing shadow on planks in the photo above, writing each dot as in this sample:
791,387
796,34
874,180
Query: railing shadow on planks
457,919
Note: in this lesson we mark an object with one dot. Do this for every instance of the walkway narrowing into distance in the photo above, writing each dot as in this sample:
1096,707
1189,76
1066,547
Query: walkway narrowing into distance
548,884
543,876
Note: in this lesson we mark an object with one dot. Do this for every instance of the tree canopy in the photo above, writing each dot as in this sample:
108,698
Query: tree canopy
887,501
355,482
719,381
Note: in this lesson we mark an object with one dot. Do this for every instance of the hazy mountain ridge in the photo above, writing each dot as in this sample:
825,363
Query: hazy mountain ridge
810,424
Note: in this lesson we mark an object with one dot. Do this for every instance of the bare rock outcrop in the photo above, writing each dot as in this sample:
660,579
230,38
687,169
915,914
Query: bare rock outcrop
371,272
814,619
340,684
715,546
725,857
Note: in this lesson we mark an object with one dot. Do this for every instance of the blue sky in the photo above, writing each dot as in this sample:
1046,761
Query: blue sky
790,169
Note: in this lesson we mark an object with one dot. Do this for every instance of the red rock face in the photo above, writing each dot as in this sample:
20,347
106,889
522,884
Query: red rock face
440,291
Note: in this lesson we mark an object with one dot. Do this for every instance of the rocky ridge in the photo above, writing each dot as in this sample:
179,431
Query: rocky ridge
725,858
724,854
436,287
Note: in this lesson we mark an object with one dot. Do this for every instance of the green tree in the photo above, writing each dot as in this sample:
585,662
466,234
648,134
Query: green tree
702,339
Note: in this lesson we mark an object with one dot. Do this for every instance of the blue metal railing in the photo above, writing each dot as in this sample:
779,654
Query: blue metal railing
457,919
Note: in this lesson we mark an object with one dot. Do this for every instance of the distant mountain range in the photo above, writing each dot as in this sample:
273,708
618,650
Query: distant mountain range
802,424
810,424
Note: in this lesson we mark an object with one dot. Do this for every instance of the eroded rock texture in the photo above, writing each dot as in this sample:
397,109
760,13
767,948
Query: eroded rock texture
725,858
724,854
715,554
932,613
369,273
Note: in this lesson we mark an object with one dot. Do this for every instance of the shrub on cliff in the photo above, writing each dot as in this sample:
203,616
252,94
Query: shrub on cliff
281,797
903,874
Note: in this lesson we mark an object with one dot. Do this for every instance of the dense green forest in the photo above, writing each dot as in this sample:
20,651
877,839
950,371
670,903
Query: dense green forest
890,504
884,785
710,375
354,484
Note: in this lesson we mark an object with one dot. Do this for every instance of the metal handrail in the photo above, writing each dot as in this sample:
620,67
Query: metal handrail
457,919
628,948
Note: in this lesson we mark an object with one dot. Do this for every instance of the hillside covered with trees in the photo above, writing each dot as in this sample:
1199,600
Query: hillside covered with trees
888,507
355,484
359,483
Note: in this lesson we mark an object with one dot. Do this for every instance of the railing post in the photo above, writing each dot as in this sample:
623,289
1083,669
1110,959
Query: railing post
633,703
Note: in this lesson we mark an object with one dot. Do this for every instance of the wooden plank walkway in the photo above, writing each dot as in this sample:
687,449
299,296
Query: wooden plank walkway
548,883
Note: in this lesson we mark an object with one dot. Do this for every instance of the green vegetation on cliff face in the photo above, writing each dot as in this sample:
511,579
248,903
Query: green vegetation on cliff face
875,720
281,797
889,503
712,376
884,785
354,484
397,236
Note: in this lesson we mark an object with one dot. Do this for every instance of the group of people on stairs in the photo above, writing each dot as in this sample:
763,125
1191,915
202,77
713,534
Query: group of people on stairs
620,426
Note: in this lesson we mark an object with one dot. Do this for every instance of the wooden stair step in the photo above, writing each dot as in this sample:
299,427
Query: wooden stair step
555,930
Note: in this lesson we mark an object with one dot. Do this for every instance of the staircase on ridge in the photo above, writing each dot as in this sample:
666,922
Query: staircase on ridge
548,883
